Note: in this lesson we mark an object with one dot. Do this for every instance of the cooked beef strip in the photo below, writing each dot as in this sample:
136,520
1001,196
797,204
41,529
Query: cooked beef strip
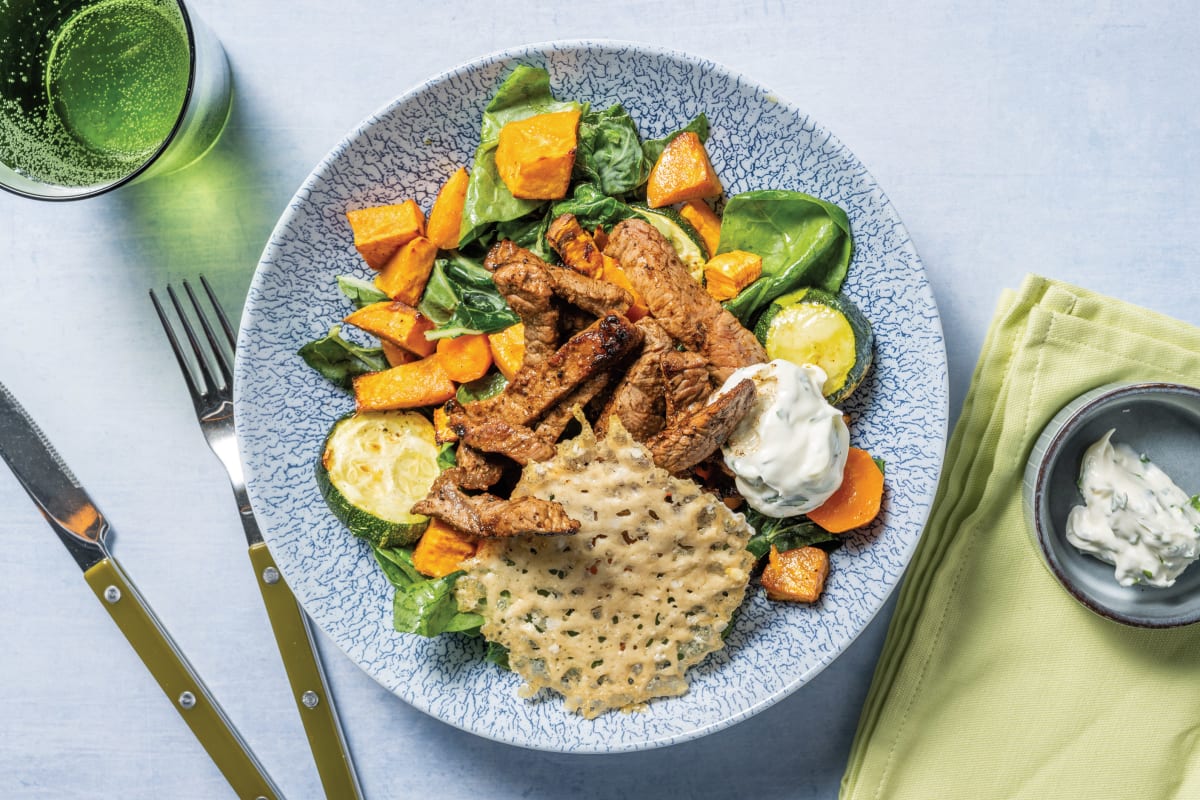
680,304
556,420
595,297
521,516
521,277
473,470
638,398
685,379
488,516
517,442
534,391
694,435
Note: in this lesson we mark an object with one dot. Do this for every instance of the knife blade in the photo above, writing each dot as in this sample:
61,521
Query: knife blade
77,521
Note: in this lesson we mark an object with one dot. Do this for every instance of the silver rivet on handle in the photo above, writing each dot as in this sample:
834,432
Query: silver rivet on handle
270,575
112,594
187,700
310,699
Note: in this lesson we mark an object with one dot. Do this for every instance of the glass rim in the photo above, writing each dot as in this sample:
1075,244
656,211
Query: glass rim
145,165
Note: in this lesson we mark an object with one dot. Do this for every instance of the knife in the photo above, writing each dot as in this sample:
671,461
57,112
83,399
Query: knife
82,528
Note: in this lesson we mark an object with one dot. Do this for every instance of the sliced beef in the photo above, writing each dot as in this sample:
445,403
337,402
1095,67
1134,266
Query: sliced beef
474,470
638,399
595,297
534,391
521,277
685,380
517,442
680,304
488,516
556,420
694,435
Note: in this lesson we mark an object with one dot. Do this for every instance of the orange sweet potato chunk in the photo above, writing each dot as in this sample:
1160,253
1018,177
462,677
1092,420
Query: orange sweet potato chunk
421,383
614,274
398,323
683,172
535,155
796,575
508,349
441,550
465,358
445,218
380,231
705,221
404,276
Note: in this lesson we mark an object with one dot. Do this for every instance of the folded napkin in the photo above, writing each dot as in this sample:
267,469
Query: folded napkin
993,681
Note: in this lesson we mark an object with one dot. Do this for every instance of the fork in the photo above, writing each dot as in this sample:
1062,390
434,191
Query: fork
212,396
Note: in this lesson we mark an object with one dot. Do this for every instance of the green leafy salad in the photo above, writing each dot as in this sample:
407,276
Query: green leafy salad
439,328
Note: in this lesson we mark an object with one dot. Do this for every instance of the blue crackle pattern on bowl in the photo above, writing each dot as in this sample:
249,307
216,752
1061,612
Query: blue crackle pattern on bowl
406,150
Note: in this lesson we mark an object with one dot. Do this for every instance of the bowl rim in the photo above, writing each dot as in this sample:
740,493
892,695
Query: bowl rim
1067,422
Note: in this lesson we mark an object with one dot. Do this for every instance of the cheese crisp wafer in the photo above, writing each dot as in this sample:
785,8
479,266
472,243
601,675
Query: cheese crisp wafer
614,615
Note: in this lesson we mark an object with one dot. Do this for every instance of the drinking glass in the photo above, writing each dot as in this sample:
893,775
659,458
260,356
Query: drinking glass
95,94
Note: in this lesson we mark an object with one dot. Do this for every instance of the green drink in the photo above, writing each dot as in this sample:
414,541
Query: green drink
91,92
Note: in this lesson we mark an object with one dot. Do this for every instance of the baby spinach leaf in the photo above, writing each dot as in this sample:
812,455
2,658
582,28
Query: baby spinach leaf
489,385
361,292
339,360
609,153
497,654
425,606
592,207
461,298
524,93
652,148
802,240
447,457
786,534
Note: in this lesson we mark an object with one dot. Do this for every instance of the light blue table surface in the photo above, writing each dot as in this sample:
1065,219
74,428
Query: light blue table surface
1059,138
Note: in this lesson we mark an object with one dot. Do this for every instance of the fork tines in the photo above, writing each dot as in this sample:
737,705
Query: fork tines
215,363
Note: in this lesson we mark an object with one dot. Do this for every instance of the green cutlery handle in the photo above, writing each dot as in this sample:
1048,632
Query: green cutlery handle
309,690
180,682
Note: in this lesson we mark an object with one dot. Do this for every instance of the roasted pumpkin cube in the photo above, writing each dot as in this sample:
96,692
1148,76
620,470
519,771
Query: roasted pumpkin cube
445,218
727,274
380,231
615,275
396,322
508,349
441,550
465,358
421,383
575,246
404,276
705,221
682,172
395,354
535,155
796,575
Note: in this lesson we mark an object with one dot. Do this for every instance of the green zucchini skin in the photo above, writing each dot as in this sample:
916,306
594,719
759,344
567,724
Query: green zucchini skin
825,343
683,236
373,528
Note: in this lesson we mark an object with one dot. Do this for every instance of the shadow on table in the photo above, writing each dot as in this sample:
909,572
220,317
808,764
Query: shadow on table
211,218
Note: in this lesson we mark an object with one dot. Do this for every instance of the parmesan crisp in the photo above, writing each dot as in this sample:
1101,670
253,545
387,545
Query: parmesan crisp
616,614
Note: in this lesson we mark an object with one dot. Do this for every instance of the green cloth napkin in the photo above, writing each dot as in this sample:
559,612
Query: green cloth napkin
993,681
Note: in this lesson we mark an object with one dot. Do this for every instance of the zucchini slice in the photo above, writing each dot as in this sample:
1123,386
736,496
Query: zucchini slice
374,467
812,326
686,240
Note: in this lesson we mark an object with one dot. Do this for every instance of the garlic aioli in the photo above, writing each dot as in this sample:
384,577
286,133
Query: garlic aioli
789,451
1135,517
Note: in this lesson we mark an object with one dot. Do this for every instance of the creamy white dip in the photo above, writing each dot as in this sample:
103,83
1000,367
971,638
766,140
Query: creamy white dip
789,451
1134,516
